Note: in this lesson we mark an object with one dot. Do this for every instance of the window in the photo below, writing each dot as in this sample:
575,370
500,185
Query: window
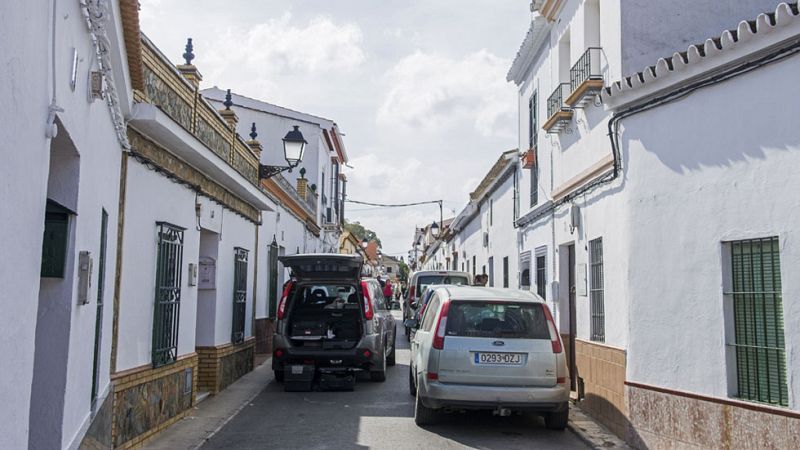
430,313
239,294
533,122
491,211
505,272
272,267
535,179
541,276
497,320
491,271
322,184
598,324
169,262
758,321
474,267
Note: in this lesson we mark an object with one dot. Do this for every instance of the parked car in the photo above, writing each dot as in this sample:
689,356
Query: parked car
417,312
330,317
418,281
486,348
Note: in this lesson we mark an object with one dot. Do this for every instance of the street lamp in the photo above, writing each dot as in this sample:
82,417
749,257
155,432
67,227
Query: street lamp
435,230
294,145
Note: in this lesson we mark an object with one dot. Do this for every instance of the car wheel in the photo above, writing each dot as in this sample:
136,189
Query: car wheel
279,376
422,414
412,389
391,358
557,420
380,374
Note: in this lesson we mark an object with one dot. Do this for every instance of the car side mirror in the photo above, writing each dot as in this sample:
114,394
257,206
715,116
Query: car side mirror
411,323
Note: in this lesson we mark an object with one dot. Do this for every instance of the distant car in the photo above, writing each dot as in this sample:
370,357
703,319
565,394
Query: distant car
332,318
418,281
421,304
486,348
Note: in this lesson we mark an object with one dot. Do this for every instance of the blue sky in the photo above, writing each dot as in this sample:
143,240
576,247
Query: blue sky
417,86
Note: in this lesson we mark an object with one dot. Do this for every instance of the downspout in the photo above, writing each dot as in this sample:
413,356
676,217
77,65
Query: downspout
51,129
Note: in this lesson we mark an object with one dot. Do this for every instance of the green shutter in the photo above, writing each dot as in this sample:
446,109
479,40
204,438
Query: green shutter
758,321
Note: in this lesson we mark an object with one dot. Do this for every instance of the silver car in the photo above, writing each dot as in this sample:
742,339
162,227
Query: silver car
486,348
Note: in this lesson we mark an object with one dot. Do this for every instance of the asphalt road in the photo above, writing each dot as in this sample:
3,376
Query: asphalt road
375,415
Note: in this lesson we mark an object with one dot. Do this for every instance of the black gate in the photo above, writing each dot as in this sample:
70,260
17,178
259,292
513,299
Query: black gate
239,294
168,293
273,278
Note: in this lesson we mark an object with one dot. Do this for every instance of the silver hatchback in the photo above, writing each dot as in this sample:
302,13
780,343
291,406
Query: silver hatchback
485,348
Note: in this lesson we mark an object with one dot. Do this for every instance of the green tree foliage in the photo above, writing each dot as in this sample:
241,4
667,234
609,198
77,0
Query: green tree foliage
361,233
403,271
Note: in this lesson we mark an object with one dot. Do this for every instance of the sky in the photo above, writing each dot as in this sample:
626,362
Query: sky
417,86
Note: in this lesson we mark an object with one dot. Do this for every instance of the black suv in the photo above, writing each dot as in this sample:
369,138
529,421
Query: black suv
330,317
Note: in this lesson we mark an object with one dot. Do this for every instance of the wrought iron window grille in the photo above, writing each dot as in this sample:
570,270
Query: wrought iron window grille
596,294
166,314
555,103
239,294
759,341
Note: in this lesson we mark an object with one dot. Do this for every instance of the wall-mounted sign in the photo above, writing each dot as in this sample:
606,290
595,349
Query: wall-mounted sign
207,278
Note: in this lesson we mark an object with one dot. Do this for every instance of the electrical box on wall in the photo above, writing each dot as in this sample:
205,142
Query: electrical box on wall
207,277
84,277
580,282
192,274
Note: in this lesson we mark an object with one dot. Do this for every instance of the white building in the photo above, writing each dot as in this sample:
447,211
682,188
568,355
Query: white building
593,243
58,212
482,238
310,199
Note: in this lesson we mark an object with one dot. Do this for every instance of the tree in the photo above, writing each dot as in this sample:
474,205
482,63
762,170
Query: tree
403,271
361,233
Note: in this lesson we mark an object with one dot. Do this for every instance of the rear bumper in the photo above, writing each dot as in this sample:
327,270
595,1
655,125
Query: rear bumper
438,395
353,357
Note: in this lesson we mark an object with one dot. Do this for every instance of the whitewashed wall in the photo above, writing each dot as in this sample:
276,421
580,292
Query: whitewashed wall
139,246
23,191
724,169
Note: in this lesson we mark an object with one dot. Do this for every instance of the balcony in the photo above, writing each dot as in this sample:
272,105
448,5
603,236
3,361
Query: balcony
559,114
166,88
586,78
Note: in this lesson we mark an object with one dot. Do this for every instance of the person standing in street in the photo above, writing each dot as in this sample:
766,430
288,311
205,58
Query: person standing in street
387,290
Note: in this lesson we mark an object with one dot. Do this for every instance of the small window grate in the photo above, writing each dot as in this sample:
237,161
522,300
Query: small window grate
541,277
598,323
758,321
239,294
168,294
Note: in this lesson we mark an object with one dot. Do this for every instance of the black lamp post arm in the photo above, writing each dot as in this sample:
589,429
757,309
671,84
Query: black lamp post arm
265,171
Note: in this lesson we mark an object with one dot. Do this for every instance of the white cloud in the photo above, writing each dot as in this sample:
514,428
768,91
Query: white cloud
430,92
280,45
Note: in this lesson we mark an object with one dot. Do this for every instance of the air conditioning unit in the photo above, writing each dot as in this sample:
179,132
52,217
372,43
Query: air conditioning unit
485,238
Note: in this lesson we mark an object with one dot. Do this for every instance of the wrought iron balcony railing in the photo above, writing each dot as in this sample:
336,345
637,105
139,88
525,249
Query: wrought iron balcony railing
586,77
555,103
166,87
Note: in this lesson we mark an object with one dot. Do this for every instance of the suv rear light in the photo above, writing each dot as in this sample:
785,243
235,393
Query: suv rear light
411,293
438,338
555,339
278,353
284,297
368,313
433,376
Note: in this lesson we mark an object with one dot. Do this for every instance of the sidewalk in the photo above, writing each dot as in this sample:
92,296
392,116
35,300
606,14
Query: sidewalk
594,434
214,412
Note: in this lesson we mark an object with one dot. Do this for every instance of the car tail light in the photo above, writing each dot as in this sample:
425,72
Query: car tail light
411,293
438,338
284,297
561,380
555,339
367,354
432,376
368,313
278,353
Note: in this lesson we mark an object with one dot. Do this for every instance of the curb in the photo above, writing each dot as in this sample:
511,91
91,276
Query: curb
592,433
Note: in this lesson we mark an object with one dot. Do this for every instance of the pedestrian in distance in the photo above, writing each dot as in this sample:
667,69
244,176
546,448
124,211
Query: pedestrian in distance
387,289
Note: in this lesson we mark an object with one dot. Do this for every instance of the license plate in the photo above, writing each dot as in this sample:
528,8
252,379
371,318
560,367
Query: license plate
500,359
297,370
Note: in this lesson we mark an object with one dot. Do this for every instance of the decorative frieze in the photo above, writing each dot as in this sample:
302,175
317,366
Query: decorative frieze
161,159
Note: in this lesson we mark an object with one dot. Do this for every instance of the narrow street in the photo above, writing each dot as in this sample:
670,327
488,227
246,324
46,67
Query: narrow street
375,415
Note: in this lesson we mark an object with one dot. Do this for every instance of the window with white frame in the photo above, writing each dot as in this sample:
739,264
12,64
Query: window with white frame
596,294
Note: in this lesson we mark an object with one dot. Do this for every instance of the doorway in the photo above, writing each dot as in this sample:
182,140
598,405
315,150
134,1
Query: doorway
572,316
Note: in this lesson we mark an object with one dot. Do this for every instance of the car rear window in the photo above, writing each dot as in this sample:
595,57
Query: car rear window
326,296
427,280
497,320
